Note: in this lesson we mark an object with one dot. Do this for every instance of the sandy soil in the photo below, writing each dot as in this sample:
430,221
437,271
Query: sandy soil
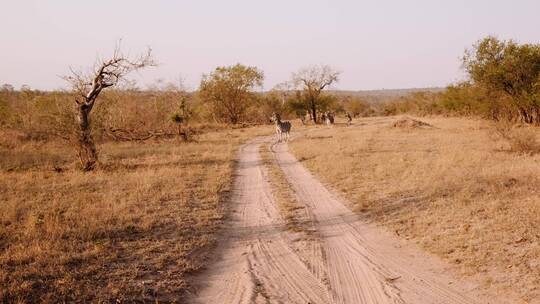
349,260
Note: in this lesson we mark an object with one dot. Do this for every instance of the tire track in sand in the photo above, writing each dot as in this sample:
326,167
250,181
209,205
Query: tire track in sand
364,264
256,263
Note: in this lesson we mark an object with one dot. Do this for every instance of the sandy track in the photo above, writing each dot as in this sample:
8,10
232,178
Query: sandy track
365,264
257,264
259,261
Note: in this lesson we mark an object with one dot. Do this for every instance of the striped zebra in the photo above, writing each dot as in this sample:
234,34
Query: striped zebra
282,127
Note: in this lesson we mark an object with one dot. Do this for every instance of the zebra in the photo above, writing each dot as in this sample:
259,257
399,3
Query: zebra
349,119
328,118
281,127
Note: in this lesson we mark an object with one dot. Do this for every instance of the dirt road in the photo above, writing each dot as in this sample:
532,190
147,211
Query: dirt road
348,260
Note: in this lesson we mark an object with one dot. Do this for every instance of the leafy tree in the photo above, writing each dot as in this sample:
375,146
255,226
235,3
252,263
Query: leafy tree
274,101
230,91
312,81
511,73
269,103
6,87
356,106
297,105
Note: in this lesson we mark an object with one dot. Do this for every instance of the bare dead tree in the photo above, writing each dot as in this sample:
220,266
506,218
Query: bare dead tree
312,81
88,86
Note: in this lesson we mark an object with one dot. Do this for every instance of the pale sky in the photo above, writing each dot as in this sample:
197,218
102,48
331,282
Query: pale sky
375,44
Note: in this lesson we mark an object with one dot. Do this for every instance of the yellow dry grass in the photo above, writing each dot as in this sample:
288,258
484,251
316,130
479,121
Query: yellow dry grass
131,231
451,188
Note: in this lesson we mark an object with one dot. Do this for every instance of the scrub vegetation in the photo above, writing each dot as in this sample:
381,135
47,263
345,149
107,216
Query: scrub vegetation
114,192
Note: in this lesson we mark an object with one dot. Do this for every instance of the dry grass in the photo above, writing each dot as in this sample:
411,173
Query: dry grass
515,138
128,232
449,188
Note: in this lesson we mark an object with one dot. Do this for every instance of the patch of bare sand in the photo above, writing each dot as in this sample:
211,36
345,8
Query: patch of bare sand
364,263
256,262
361,263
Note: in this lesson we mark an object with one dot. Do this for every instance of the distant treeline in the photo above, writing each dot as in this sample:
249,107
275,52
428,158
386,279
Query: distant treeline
132,114
503,84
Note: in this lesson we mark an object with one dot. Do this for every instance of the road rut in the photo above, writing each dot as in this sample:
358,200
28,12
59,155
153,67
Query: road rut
358,262
257,263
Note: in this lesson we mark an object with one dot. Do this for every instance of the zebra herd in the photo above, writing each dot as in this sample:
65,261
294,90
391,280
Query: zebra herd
283,128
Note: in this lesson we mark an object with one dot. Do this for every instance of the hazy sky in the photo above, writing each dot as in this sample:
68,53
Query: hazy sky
375,44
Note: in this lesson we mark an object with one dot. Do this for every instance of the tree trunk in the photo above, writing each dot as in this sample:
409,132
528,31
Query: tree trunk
86,148
313,111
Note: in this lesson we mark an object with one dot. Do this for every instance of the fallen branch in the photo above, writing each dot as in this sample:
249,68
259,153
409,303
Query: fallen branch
130,135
